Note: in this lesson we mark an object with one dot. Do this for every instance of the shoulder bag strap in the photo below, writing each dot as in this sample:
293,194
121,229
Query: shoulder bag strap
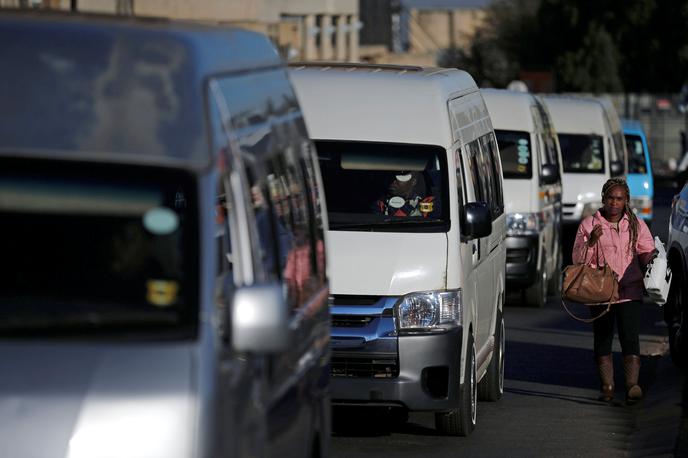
583,320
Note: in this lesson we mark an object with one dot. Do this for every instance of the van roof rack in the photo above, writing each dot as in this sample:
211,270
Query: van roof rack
358,65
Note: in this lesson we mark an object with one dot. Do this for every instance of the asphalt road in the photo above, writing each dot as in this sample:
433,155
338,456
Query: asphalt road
549,408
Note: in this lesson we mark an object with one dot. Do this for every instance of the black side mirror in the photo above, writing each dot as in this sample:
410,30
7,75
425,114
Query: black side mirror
477,220
616,168
550,174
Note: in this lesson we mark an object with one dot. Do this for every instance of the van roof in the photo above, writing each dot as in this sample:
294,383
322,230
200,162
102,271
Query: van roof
576,115
510,110
90,84
386,103
632,126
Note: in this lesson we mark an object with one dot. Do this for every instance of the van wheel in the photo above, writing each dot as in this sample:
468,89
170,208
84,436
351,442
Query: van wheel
461,421
536,294
556,279
674,315
491,387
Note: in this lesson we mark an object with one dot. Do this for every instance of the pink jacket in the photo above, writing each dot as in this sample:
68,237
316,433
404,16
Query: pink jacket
614,247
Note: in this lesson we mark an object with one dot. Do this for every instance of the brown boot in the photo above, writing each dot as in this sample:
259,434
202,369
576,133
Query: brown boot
631,371
605,367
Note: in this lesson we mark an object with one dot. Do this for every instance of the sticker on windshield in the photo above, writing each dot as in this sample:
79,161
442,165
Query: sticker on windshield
160,221
161,293
523,155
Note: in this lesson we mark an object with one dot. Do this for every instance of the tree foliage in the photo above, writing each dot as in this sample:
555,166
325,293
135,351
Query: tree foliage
588,45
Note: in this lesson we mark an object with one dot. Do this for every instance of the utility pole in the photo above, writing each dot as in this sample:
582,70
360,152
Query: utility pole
73,6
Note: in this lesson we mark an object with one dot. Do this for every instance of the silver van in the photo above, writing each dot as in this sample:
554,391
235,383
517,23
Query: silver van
164,290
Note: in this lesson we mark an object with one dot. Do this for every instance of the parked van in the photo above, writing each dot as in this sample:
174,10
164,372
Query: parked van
639,176
413,184
164,290
589,150
529,151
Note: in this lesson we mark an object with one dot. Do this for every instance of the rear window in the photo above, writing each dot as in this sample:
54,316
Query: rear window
582,153
515,152
636,154
95,250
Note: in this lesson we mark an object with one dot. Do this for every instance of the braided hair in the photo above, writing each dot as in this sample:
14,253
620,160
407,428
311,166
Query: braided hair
632,219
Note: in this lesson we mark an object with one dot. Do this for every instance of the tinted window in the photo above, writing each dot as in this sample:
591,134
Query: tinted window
515,152
489,145
582,153
636,154
97,249
382,186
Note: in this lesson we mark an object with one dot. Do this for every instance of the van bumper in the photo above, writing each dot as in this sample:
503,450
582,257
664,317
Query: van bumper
522,260
428,376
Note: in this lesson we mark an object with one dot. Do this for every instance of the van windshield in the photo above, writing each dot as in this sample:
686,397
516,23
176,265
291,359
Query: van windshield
515,152
384,186
582,153
636,154
98,251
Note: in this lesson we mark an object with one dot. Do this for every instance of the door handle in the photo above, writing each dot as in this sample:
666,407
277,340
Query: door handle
474,247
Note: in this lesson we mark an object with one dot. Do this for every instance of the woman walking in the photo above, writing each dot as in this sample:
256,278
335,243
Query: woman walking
615,235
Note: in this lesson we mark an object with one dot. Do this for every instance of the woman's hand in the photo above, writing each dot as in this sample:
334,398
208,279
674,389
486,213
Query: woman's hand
595,235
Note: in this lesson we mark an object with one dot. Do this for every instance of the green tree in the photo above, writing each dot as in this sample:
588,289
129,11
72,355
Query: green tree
589,45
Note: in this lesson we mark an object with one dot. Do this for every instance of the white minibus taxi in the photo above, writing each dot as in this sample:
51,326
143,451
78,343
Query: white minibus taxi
530,155
589,153
413,186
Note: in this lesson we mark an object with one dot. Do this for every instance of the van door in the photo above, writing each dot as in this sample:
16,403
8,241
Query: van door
281,178
241,426
478,190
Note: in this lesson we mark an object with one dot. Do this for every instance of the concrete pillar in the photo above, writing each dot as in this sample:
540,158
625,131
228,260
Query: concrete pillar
326,37
342,26
353,38
309,31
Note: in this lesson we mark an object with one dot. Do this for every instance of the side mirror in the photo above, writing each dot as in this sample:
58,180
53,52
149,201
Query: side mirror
477,220
550,174
616,168
259,320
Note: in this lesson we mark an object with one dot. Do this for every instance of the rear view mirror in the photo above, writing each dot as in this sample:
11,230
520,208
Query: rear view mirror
259,320
477,220
550,174
616,168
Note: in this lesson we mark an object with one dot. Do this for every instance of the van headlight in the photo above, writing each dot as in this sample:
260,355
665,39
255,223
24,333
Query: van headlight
523,223
641,205
429,310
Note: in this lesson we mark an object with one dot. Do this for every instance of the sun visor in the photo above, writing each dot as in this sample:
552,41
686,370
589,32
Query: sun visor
368,161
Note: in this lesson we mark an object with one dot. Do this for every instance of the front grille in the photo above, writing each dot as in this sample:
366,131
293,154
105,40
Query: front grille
517,255
365,366
569,209
351,321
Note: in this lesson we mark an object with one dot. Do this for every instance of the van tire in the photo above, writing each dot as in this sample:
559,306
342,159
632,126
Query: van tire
536,294
461,421
491,387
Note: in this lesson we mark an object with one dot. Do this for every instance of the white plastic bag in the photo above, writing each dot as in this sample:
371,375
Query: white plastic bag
658,275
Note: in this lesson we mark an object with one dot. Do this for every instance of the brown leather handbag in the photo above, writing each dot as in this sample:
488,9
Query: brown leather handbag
590,285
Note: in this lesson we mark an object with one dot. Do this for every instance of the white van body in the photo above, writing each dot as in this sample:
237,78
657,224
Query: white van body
377,112
588,150
529,150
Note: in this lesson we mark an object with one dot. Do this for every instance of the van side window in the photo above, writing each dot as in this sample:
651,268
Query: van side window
472,167
307,163
288,197
495,166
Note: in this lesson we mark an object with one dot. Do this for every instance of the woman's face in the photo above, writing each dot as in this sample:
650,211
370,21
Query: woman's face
615,201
